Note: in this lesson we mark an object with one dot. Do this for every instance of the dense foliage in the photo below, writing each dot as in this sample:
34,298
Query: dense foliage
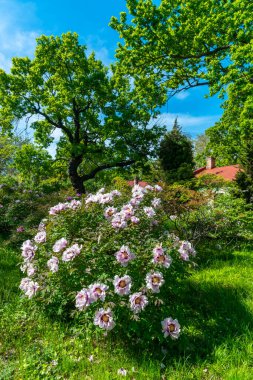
102,122
176,154
109,256
177,45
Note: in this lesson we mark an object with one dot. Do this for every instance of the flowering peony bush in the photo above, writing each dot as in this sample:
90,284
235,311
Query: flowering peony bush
110,261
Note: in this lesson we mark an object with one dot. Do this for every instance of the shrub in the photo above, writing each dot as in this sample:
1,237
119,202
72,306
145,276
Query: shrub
21,209
110,262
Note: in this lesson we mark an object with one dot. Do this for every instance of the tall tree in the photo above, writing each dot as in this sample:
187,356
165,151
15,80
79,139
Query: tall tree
232,137
181,44
176,154
103,122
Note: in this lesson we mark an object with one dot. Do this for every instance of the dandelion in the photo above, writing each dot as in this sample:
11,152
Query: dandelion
154,281
83,299
53,264
138,302
70,253
97,291
104,319
123,256
122,372
60,245
171,327
122,285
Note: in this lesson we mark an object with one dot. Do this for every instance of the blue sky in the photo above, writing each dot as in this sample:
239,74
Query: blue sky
22,21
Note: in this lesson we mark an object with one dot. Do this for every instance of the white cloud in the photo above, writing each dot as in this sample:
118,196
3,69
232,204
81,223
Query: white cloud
96,44
192,125
16,36
182,95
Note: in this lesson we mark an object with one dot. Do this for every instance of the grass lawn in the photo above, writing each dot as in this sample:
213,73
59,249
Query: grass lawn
215,311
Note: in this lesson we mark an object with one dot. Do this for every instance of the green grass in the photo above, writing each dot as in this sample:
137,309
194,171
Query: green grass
215,309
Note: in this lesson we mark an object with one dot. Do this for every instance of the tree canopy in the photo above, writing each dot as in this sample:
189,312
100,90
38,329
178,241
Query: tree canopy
232,136
181,44
103,122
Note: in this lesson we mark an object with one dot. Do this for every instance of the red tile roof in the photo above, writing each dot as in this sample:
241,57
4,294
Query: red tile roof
140,183
227,172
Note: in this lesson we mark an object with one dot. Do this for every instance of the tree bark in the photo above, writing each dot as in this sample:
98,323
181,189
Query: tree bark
76,179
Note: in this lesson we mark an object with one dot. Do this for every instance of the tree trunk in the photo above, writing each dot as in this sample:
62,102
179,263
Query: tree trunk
76,180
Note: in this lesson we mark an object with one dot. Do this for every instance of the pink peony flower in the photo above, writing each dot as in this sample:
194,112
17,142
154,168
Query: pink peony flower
171,327
138,302
118,222
42,225
28,250
186,249
109,212
29,287
127,211
32,289
41,237
154,281
123,256
135,201
53,264
28,268
24,283
59,245
149,211
160,258
70,253
97,291
104,319
74,204
135,220
156,202
83,299
20,229
116,193
158,188
106,198
58,208
122,285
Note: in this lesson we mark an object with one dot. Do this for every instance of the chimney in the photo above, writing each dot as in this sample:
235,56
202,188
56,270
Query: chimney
210,162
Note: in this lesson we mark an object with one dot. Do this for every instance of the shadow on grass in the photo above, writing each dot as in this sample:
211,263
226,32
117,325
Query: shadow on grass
210,315
210,312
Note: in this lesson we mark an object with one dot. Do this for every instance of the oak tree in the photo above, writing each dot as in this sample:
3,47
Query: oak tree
103,121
